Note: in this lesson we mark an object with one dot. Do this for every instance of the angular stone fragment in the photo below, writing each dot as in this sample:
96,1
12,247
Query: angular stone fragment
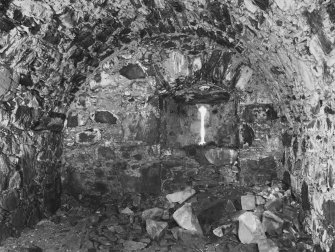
267,245
220,156
127,211
250,6
274,205
180,196
153,213
72,121
105,117
273,225
250,228
248,202
88,136
244,78
230,208
10,200
186,219
285,4
132,72
133,245
5,80
155,229
260,200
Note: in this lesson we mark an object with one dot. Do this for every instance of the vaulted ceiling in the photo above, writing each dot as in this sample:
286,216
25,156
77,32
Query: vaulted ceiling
283,47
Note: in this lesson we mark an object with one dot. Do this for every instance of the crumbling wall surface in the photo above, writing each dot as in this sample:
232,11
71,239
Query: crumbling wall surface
30,158
287,45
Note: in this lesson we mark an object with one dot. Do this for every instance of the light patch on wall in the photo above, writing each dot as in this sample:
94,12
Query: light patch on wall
203,112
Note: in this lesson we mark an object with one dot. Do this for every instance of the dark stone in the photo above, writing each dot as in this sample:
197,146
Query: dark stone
169,44
6,24
51,193
211,213
305,197
287,139
295,147
271,114
328,208
262,4
132,71
330,175
85,39
106,152
178,6
105,117
314,20
86,137
220,13
228,135
267,163
52,37
242,248
151,179
326,44
138,157
329,111
208,98
286,180
248,134
329,123
277,70
24,115
10,200
25,80
331,12
72,121
101,187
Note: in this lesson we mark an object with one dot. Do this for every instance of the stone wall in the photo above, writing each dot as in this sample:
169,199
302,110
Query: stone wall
112,136
30,158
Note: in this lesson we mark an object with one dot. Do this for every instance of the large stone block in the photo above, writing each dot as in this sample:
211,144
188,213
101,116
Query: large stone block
102,116
220,156
89,136
257,171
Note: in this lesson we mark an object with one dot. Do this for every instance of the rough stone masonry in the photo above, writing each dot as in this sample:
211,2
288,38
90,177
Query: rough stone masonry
95,93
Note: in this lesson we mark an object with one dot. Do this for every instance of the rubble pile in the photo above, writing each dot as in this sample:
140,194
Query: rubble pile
222,217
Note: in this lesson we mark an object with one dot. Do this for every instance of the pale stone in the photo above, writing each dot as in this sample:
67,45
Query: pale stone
260,200
267,245
220,156
153,213
127,211
186,219
285,4
218,232
245,76
155,229
250,228
197,65
5,80
248,202
175,66
250,6
181,196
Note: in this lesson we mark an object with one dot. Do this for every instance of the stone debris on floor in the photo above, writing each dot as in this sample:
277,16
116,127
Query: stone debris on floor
222,217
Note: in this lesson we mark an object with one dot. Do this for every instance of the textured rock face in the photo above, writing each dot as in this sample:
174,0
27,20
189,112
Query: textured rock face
274,52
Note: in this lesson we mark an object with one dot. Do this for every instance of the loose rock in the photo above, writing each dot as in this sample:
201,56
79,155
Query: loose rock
186,219
155,229
180,197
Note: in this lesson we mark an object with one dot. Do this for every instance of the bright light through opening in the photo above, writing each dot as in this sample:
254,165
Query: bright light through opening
202,111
